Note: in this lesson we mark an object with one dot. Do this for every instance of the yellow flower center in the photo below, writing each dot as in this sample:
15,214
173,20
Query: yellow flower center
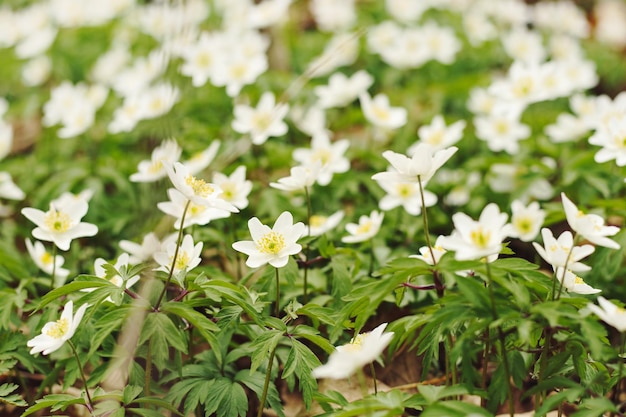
238,71
181,261
228,191
356,344
322,155
317,221
502,127
155,167
262,120
199,187
195,209
203,60
435,138
46,258
57,221
381,113
58,329
523,224
364,228
271,243
480,237
578,280
405,190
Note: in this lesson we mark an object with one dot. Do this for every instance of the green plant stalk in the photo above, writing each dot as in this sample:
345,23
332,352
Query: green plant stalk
82,375
266,384
178,243
620,370
305,295
148,374
54,265
505,359
437,280
373,370
233,231
483,401
277,307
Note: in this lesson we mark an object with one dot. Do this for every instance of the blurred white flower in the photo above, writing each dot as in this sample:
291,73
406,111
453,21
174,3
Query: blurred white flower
610,313
437,251
473,239
526,221
405,194
122,262
300,178
366,229
187,258
589,226
342,90
262,122
330,156
201,160
235,188
152,170
45,261
573,283
362,349
423,164
55,333
273,246
561,252
61,226
333,15
380,113
438,134
502,130
319,224
139,253
36,71
8,189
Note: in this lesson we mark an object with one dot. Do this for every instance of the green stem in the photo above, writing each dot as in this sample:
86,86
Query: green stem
305,295
620,370
437,280
373,370
277,308
569,254
54,266
266,384
483,402
237,254
178,244
505,359
148,374
82,375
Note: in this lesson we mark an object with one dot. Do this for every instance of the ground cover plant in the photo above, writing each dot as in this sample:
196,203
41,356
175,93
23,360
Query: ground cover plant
324,207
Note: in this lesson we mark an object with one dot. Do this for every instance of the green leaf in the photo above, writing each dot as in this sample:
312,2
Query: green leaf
8,398
80,283
594,407
54,402
163,334
227,399
302,361
256,381
263,345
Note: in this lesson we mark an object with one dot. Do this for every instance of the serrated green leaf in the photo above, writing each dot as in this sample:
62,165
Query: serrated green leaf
302,361
263,345
13,399
163,334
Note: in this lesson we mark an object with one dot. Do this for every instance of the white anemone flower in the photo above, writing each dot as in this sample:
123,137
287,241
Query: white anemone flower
45,261
431,258
188,257
61,226
264,121
8,189
362,349
235,188
196,213
154,169
55,333
561,252
405,194
610,313
320,224
201,160
197,190
438,134
573,283
379,112
589,226
271,245
366,229
526,221
300,178
123,261
423,164
141,252
473,239
329,154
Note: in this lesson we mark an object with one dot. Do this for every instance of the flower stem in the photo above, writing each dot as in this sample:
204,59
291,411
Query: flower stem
148,374
82,375
439,287
268,375
620,370
373,370
54,266
277,307
305,295
237,254
178,244
505,359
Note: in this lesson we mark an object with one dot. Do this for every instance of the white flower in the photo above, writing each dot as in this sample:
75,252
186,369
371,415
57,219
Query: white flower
561,252
589,226
8,189
235,188
300,178
329,154
574,283
262,122
438,135
526,220
405,194
610,136
502,130
437,251
157,100
61,226
366,229
123,261
424,163
318,224
362,349
237,69
200,160
154,169
610,313
379,112
55,333
44,260
196,213
197,190
477,239
150,244
342,90
332,15
188,257
67,199
342,50
273,246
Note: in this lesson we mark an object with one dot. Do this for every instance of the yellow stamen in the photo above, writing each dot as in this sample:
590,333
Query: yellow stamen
58,329
317,221
271,243
200,187
480,237
57,221
46,258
